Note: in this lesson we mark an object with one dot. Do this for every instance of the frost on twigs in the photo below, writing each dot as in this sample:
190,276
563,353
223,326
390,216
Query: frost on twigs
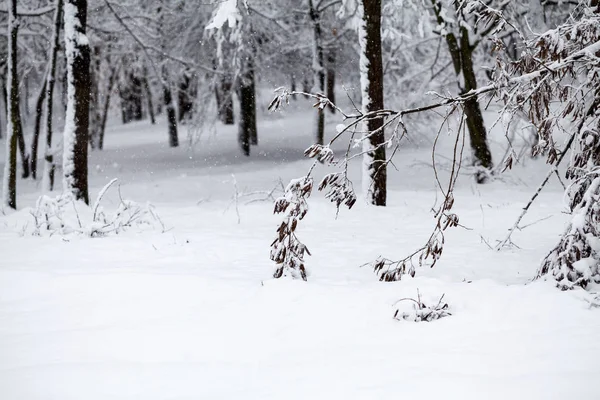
63,215
287,250
282,98
415,310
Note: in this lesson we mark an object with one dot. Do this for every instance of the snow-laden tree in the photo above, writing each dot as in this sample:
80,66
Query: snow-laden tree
570,55
75,143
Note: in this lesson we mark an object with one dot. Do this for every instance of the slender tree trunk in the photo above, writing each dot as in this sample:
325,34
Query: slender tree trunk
26,97
9,184
111,83
461,52
318,69
371,82
331,77
39,111
23,152
49,166
171,115
95,110
477,133
131,97
184,97
75,157
226,99
149,100
293,85
166,88
247,131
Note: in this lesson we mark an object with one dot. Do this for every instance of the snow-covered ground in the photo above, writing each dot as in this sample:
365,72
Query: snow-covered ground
193,312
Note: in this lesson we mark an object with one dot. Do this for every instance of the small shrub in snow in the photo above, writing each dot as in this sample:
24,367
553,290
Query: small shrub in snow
287,250
63,215
409,309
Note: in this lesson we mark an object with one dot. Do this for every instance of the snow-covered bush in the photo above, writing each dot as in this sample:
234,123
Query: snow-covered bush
287,250
415,310
63,215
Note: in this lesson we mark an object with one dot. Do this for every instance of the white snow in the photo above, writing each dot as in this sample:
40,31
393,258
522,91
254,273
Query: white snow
193,313
227,12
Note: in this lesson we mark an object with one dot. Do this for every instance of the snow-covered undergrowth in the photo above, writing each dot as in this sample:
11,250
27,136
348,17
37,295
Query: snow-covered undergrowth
63,215
410,309
194,313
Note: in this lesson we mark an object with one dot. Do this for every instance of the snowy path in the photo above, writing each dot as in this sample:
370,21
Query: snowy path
194,314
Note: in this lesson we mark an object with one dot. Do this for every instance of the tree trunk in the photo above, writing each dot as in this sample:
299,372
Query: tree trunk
49,167
23,152
226,100
184,97
95,110
171,116
149,100
247,131
75,157
9,184
111,83
462,60
318,70
331,77
482,157
131,98
39,111
371,82
166,87
293,85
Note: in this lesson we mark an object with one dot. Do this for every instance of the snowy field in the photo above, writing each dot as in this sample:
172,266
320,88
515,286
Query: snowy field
194,313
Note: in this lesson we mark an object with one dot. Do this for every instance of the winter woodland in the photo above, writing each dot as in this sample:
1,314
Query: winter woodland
267,199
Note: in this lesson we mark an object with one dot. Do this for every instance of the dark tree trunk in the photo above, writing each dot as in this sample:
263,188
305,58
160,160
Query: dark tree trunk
247,131
95,110
49,167
39,111
371,69
461,52
474,118
318,69
111,83
166,87
226,99
23,153
75,159
9,187
185,97
131,98
171,116
331,77
293,85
